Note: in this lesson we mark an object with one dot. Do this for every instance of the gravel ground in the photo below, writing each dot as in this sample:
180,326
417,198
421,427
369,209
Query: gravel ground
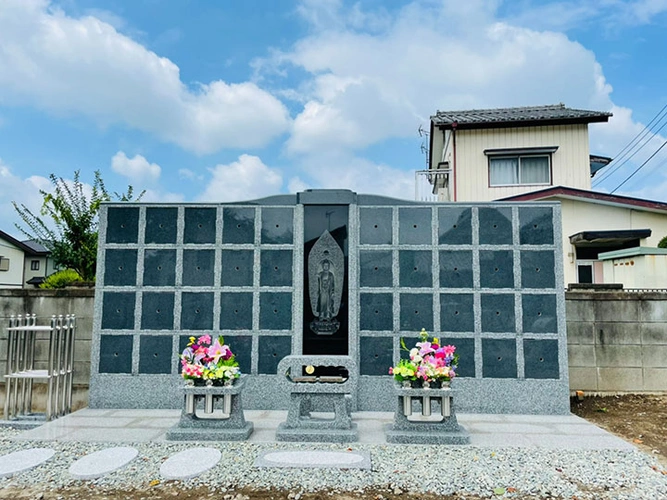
466,471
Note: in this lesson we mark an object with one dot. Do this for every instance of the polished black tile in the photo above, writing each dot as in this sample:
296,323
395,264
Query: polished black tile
539,313
465,348
155,354
375,226
118,311
495,226
498,313
277,225
375,268
457,312
275,268
238,225
157,311
376,355
236,311
376,312
454,226
456,269
416,268
275,311
416,311
414,226
159,267
536,226
237,267
241,346
115,354
200,225
538,269
161,225
271,351
541,358
196,310
496,268
122,225
499,358
120,267
198,267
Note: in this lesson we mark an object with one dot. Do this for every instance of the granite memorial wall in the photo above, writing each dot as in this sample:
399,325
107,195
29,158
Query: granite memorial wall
332,272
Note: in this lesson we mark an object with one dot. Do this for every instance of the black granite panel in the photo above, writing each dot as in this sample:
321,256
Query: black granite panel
271,351
118,311
277,225
499,358
198,267
454,226
376,355
536,226
496,268
238,225
457,312
465,348
241,346
375,268
155,354
456,269
539,313
416,311
498,313
415,268
541,358
159,267
538,269
236,311
200,225
122,225
376,311
414,226
275,311
275,268
157,311
161,225
120,267
115,354
196,311
375,226
495,226
237,267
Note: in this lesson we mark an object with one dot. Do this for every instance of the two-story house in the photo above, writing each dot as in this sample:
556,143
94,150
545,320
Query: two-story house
542,153
23,263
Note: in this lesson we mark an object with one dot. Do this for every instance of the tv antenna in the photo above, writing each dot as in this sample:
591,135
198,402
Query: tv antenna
424,145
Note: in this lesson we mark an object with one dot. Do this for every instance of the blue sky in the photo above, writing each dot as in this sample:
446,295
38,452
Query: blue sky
220,101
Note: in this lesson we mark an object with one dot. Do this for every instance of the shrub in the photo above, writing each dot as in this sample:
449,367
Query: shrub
663,243
61,279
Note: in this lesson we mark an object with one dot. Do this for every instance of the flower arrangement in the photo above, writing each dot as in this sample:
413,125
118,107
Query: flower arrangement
428,362
210,361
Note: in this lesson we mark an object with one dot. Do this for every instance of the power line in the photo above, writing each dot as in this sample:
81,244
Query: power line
639,167
628,147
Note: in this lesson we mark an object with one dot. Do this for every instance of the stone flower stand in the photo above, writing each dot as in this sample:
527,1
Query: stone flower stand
425,428
212,413
307,393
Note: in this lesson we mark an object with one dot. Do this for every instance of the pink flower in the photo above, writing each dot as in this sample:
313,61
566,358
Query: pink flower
425,348
449,350
217,351
204,339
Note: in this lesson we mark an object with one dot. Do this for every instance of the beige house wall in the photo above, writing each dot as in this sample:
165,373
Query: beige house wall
570,163
637,271
13,278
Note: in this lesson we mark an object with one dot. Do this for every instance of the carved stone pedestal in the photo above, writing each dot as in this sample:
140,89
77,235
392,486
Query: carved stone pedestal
212,414
425,426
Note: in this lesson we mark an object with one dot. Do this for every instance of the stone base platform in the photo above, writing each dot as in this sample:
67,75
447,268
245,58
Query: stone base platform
422,435
314,435
210,433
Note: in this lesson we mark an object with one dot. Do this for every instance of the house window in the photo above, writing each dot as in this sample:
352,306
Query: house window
34,265
520,169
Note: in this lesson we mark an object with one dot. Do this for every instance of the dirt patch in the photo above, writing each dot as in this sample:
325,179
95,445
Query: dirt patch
638,418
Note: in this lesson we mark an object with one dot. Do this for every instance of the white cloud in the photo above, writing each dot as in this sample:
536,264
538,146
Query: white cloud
86,67
244,179
186,173
365,89
136,169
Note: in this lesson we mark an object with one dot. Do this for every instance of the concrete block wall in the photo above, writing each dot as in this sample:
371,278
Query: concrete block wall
45,303
617,341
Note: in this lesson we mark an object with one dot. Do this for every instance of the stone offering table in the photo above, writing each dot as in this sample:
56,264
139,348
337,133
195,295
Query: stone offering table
425,428
212,413
321,392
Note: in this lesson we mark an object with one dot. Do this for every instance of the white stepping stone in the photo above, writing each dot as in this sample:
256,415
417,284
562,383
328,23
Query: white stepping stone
315,459
190,463
102,462
23,460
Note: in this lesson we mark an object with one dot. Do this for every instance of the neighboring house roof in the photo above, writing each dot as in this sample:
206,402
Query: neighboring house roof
591,197
30,247
556,114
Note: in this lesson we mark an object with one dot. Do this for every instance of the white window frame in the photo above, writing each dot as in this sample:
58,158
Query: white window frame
519,154
519,158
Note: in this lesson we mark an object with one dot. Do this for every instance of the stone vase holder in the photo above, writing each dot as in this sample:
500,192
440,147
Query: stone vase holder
212,413
322,393
423,428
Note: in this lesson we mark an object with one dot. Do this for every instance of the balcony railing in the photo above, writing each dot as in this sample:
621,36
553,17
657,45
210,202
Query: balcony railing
433,185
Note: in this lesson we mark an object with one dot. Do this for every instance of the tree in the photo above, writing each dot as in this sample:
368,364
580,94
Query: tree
663,243
72,236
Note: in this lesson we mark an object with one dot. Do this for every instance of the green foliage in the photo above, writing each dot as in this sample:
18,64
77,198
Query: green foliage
61,279
68,223
663,243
